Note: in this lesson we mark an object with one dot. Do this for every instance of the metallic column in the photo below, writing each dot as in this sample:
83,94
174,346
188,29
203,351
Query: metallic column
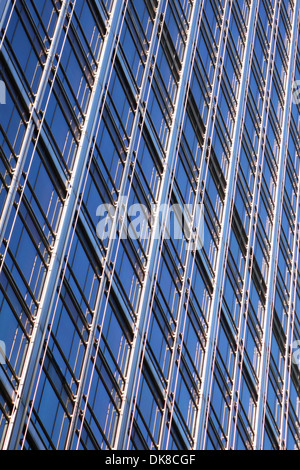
251,238
259,428
42,318
211,339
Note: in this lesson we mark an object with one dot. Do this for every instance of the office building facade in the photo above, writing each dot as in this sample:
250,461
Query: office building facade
117,331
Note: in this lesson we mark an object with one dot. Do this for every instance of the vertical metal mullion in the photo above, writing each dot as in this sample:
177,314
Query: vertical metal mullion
93,120
213,326
289,336
42,318
19,411
141,315
293,281
105,67
252,235
260,417
113,245
188,63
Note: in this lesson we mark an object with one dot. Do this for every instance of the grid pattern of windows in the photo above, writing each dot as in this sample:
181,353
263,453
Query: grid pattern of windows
146,342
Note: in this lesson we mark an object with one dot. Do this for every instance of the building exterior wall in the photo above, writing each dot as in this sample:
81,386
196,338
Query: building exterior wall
118,331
